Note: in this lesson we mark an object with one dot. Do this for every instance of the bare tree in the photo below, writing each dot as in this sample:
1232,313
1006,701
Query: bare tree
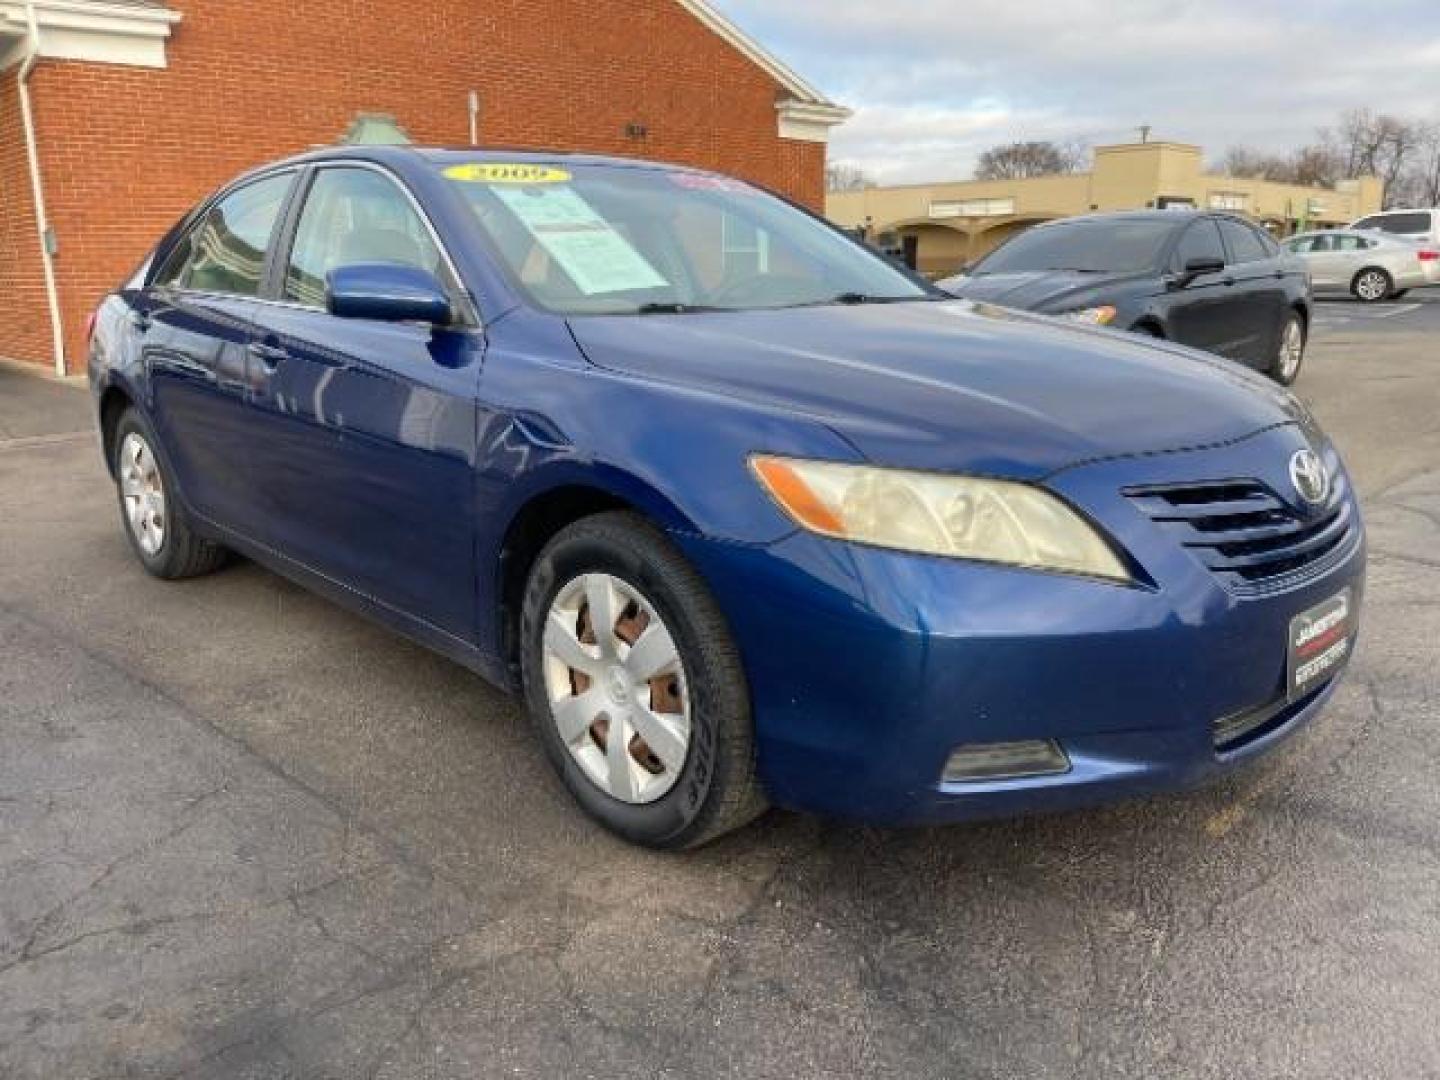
1024,159
1425,185
1315,165
1249,162
1372,144
841,177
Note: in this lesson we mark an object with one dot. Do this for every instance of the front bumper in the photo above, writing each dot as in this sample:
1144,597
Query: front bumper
867,668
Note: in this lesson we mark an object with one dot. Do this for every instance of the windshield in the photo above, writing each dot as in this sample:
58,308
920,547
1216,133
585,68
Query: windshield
1096,246
607,240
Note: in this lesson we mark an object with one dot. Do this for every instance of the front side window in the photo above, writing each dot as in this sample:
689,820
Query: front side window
1201,241
1091,246
1245,246
611,240
354,216
227,250
1301,244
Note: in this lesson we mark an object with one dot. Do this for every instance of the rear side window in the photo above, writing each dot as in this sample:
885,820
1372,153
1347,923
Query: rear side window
1301,244
354,216
226,251
1398,223
1201,241
1245,246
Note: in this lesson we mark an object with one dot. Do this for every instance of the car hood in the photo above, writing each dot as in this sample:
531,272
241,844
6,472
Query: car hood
1035,290
950,385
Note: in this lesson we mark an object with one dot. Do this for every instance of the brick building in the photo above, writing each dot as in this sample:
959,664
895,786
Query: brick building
137,108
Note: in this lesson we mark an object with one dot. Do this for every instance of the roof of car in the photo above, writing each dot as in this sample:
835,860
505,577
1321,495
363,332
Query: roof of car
1177,216
442,155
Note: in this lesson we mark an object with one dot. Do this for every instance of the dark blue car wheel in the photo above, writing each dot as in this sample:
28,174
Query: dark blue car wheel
635,686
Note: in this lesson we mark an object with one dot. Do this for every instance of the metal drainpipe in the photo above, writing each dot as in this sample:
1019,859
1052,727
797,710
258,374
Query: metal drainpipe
37,186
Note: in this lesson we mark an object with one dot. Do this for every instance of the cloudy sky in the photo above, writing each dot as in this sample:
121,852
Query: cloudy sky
934,82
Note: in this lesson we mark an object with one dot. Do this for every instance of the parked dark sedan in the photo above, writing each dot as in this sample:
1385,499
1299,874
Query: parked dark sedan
1213,281
747,514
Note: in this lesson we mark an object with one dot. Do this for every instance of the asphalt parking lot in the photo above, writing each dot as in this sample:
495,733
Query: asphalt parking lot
246,834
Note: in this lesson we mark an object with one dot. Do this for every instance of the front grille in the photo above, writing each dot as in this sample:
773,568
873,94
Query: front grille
1246,534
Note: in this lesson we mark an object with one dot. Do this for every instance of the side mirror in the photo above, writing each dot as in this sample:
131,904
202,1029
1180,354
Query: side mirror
386,292
1194,268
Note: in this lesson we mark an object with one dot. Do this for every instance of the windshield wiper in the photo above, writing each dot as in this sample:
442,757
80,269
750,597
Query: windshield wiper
673,307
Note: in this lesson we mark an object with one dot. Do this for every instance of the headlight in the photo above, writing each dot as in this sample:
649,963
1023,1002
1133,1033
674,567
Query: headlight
1092,316
933,514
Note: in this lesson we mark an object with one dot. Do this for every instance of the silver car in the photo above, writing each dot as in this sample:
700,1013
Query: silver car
1370,266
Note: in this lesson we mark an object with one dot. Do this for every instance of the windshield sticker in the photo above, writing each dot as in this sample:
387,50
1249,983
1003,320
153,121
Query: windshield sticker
597,258
705,182
512,172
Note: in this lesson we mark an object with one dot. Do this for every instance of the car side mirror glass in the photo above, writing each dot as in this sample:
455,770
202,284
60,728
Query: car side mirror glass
387,292
1198,267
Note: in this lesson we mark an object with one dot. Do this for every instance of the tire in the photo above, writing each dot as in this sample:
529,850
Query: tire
1289,351
159,530
1398,293
703,790
1149,330
1372,285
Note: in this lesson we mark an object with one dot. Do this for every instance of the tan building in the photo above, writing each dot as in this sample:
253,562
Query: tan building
942,226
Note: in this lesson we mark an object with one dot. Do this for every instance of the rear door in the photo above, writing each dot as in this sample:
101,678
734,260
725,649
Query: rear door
196,321
1256,274
367,430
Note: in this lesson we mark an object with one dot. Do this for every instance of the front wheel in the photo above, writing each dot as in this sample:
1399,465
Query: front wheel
1285,367
1372,285
635,686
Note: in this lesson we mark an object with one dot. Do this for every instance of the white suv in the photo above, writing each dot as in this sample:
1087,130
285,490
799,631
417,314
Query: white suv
1421,225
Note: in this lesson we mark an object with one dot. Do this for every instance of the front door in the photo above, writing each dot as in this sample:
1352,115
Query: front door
1199,310
368,429
1260,303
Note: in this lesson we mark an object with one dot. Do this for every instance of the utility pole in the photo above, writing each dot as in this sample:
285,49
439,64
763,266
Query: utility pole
1144,130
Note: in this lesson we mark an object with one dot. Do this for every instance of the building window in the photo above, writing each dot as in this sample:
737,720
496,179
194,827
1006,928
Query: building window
972,208
1229,200
745,246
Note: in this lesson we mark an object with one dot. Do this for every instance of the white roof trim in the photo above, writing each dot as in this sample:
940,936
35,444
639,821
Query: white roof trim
797,87
94,30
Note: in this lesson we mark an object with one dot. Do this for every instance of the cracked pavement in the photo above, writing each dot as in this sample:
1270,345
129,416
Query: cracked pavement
246,834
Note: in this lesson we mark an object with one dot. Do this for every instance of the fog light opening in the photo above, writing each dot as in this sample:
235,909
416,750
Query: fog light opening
1005,761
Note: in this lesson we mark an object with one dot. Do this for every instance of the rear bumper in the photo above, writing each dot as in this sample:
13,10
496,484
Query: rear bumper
868,668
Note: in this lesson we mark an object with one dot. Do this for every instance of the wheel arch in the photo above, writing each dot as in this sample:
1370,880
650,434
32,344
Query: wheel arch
542,513
114,400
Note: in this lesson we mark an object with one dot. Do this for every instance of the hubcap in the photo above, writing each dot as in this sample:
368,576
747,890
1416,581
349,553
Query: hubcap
616,687
143,492
1292,348
1371,287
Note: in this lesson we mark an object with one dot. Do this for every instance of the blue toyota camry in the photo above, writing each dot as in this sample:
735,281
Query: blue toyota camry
749,515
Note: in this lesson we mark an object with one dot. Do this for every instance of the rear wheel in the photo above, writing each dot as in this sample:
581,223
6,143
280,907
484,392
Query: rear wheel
635,687
158,528
1290,354
1372,285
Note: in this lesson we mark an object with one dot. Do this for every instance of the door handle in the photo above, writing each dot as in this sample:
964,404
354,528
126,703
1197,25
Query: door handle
1227,281
268,355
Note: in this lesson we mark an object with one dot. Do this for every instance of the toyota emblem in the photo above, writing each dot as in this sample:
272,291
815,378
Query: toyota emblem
1308,474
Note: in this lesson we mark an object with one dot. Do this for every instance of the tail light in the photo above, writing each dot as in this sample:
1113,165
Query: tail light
1429,256
90,326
